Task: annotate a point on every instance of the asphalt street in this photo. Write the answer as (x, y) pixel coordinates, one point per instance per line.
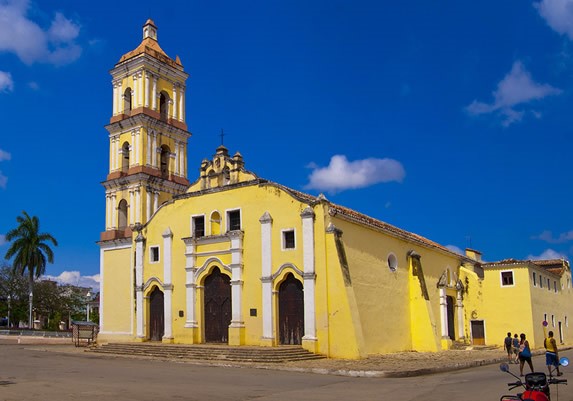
(28, 373)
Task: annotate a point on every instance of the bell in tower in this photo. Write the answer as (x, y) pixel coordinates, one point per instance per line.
(147, 135)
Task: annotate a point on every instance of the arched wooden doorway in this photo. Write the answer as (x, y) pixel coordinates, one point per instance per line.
(217, 307)
(156, 315)
(291, 311)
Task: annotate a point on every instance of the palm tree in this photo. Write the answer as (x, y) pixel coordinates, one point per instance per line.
(30, 251)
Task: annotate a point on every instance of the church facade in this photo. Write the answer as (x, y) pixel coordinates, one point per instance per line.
(234, 258)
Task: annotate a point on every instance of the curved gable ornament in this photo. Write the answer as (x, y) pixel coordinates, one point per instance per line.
(209, 262)
(151, 281)
(286, 266)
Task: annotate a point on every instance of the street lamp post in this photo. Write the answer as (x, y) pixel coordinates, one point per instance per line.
(30, 321)
(88, 296)
(9, 308)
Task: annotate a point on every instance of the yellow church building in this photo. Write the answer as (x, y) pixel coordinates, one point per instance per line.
(233, 258)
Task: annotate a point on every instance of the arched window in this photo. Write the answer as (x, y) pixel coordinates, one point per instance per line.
(125, 157)
(122, 214)
(215, 223)
(163, 105)
(127, 100)
(165, 153)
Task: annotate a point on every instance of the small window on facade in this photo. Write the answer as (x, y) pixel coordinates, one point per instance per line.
(540, 281)
(392, 262)
(288, 239)
(234, 220)
(555, 285)
(545, 317)
(548, 284)
(534, 279)
(199, 226)
(154, 254)
(553, 320)
(507, 278)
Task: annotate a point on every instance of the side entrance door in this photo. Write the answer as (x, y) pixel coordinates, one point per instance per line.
(156, 315)
(478, 332)
(217, 307)
(291, 311)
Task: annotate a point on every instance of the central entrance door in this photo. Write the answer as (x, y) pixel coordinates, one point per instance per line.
(156, 315)
(217, 307)
(291, 311)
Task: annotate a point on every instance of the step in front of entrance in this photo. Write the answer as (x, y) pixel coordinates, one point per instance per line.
(209, 352)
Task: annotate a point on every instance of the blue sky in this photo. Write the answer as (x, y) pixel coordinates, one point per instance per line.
(450, 119)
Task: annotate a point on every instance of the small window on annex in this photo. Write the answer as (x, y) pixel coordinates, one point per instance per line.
(198, 226)
(548, 284)
(154, 254)
(234, 220)
(555, 285)
(288, 239)
(392, 262)
(534, 279)
(507, 278)
(540, 281)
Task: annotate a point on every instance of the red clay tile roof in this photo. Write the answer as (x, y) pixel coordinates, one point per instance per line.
(150, 47)
(555, 266)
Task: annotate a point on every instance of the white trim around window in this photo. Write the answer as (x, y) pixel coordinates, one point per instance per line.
(509, 276)
(154, 254)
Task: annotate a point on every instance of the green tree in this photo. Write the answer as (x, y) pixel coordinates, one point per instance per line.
(14, 294)
(31, 252)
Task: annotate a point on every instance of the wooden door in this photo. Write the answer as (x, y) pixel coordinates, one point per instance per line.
(478, 332)
(450, 309)
(156, 315)
(291, 311)
(217, 307)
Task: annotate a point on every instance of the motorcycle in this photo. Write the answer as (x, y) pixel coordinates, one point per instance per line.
(536, 384)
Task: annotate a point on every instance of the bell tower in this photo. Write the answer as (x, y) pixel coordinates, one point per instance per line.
(147, 136)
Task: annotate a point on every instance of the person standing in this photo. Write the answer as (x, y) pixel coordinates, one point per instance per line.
(551, 354)
(524, 354)
(507, 346)
(515, 346)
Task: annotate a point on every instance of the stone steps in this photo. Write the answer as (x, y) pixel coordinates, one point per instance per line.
(209, 352)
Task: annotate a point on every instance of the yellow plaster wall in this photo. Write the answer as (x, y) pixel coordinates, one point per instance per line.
(118, 294)
(508, 308)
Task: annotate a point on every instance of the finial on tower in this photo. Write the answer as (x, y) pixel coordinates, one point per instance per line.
(149, 30)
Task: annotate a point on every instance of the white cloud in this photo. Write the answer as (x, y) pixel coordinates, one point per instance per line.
(6, 82)
(341, 174)
(3, 180)
(3, 239)
(547, 254)
(547, 236)
(75, 278)
(4, 155)
(455, 249)
(30, 42)
(558, 14)
(517, 88)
